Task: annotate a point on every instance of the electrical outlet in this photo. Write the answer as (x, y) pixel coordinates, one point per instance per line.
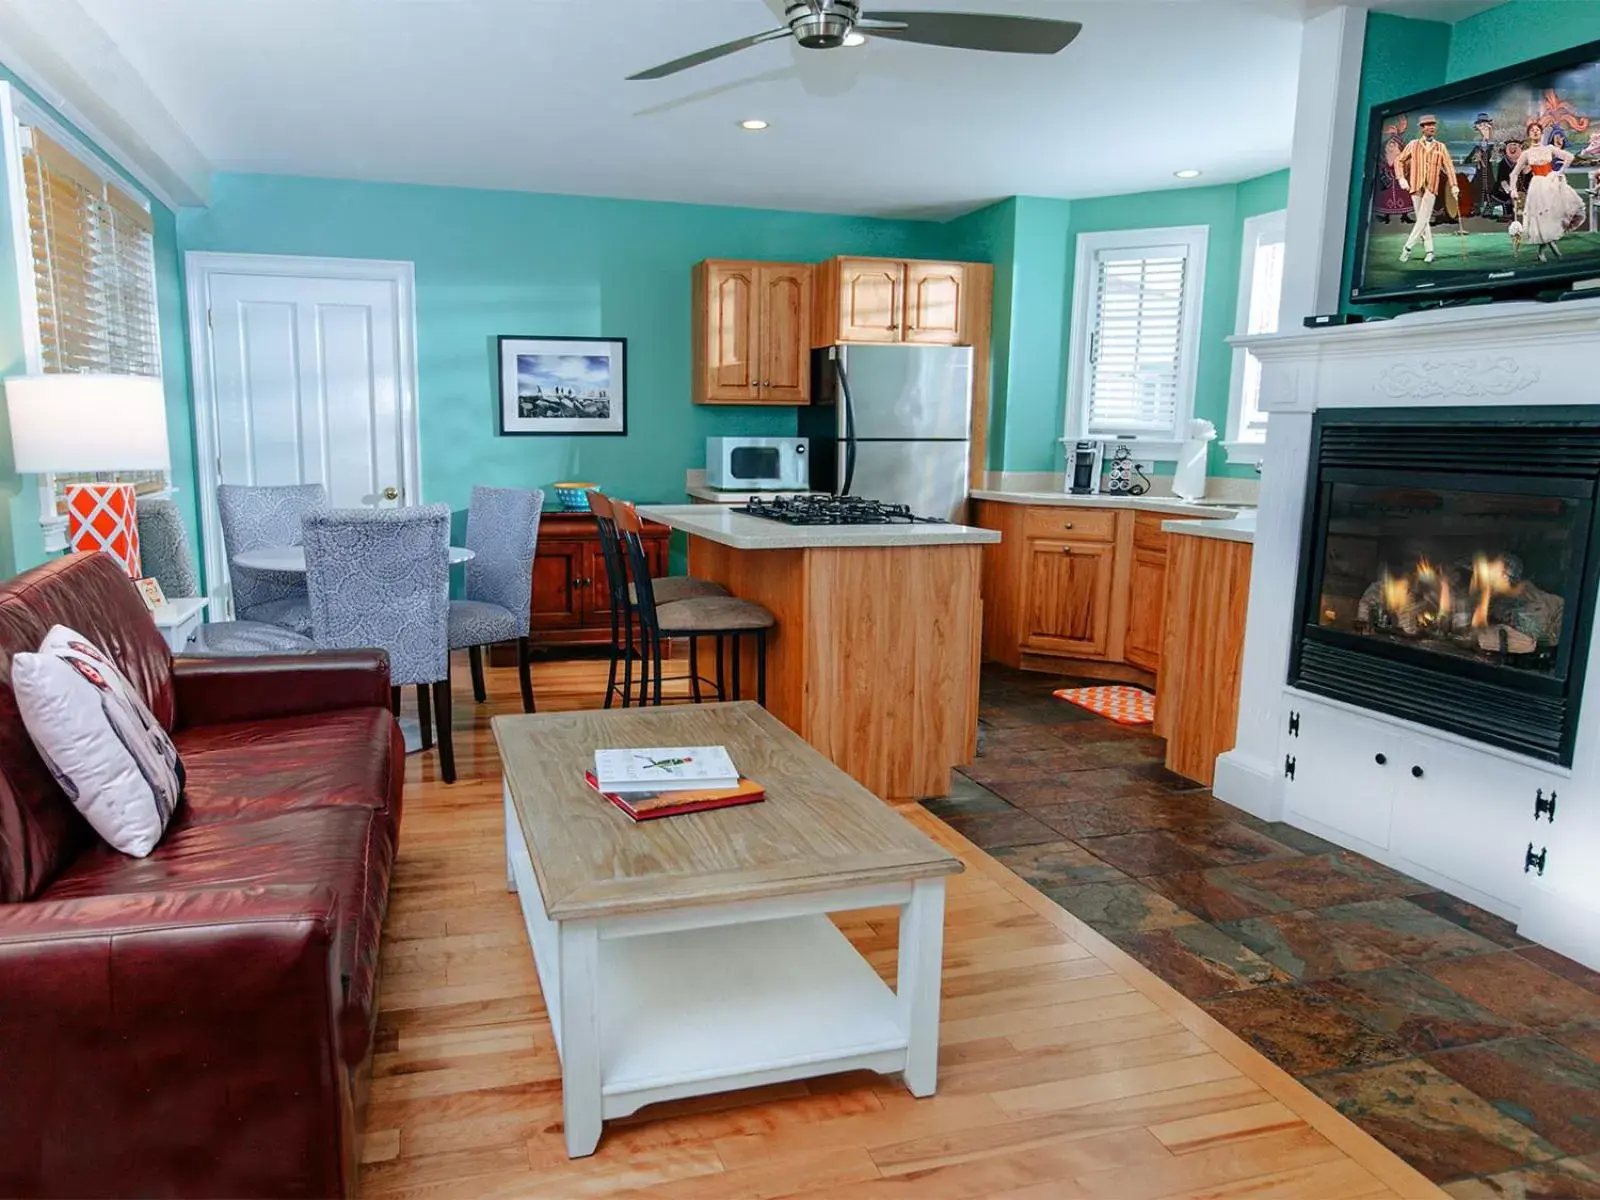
(1146, 465)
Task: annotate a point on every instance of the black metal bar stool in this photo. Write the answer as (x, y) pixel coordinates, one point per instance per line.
(703, 616)
(624, 601)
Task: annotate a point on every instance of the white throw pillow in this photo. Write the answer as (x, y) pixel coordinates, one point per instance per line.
(104, 746)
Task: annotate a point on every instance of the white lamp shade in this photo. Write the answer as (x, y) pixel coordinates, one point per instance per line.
(87, 423)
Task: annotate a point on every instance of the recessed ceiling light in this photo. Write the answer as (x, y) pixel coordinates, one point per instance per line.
(855, 39)
(1187, 173)
(753, 123)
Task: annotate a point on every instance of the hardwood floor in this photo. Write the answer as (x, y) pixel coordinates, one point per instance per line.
(1066, 1069)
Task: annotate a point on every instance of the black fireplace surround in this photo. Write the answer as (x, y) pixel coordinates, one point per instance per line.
(1447, 568)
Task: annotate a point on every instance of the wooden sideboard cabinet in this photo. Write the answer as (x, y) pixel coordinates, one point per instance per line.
(571, 599)
(752, 332)
(893, 300)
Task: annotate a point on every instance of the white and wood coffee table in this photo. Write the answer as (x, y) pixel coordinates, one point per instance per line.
(694, 954)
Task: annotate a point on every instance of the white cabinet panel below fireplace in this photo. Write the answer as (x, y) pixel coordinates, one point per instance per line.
(1338, 771)
(1448, 813)
(1466, 816)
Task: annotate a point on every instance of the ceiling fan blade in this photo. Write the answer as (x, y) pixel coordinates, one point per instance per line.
(705, 56)
(974, 31)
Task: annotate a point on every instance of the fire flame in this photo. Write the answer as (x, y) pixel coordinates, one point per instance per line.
(1396, 592)
(1489, 579)
(1444, 599)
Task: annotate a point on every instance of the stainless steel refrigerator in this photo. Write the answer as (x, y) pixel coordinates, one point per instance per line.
(893, 423)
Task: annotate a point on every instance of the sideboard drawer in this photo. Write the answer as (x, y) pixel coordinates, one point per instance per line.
(1071, 524)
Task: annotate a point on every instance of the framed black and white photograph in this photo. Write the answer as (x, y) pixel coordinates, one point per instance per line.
(563, 386)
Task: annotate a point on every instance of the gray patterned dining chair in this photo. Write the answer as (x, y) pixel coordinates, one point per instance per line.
(164, 547)
(380, 578)
(254, 518)
(502, 533)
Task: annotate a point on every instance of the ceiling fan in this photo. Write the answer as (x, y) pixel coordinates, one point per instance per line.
(824, 24)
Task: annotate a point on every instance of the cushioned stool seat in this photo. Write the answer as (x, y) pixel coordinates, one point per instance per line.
(669, 589)
(712, 614)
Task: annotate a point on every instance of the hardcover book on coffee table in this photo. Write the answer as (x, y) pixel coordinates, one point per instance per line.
(646, 806)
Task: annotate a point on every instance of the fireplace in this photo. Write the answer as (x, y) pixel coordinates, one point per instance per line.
(1447, 573)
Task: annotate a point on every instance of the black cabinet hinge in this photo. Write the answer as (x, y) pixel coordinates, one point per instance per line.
(1288, 765)
(1535, 862)
(1294, 724)
(1543, 807)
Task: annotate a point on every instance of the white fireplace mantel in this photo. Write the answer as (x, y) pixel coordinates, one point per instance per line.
(1509, 354)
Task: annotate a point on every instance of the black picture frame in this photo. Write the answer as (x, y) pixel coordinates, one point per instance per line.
(569, 380)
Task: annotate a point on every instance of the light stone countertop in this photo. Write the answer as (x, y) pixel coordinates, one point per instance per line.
(742, 532)
(1241, 528)
(1169, 505)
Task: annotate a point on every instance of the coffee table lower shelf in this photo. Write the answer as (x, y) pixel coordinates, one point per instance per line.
(722, 997)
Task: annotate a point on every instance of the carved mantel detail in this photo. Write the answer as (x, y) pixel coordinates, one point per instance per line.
(1434, 379)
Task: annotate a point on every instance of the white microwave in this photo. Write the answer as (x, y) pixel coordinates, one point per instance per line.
(758, 464)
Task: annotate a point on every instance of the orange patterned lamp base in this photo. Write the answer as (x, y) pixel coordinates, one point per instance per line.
(102, 516)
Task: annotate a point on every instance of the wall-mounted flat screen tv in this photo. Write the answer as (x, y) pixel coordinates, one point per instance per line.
(1488, 185)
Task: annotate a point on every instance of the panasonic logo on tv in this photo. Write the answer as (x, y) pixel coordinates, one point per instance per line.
(1502, 274)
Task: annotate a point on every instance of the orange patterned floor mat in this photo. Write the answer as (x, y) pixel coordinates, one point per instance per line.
(1123, 704)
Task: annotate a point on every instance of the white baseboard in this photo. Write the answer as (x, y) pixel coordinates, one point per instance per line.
(1566, 923)
(1248, 784)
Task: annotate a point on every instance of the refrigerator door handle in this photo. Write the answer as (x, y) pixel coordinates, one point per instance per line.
(849, 427)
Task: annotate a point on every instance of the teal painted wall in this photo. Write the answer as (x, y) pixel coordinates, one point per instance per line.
(1403, 56)
(491, 263)
(1034, 243)
(21, 539)
(1518, 31)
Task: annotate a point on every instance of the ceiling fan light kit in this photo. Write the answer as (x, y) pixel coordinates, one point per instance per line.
(830, 24)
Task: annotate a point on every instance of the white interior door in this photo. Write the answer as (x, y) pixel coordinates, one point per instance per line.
(305, 374)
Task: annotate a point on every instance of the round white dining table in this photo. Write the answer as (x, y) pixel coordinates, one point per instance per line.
(293, 558)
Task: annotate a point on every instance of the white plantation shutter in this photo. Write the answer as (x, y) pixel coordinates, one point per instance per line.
(93, 251)
(1137, 341)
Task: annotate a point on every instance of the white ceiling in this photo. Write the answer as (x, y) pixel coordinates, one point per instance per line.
(530, 95)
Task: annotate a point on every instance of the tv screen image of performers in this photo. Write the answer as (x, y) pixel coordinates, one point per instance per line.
(1494, 188)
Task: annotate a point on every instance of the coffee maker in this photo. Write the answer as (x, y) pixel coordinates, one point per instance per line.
(1084, 461)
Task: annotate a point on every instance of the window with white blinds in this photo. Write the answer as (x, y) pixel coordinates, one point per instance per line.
(92, 244)
(93, 266)
(1260, 293)
(1135, 327)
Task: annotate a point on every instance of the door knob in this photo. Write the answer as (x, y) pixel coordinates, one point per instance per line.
(391, 493)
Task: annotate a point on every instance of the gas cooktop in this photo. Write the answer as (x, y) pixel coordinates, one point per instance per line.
(834, 510)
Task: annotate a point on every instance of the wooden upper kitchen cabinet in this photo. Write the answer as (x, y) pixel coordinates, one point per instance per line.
(752, 332)
(893, 300)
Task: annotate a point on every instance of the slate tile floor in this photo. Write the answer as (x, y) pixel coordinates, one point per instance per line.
(1426, 1020)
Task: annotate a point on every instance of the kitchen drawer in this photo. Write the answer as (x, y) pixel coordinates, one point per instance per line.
(1071, 524)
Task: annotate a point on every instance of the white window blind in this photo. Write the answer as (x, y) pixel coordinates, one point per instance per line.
(1134, 336)
(93, 266)
(93, 251)
(1136, 343)
(1260, 294)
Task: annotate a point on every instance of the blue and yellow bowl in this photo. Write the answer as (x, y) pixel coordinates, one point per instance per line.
(574, 497)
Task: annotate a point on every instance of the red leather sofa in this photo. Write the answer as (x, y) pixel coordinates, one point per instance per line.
(198, 1022)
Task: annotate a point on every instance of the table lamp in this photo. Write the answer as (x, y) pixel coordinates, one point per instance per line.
(91, 423)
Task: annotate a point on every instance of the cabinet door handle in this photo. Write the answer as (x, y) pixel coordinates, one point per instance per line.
(1066, 549)
(1066, 524)
(1380, 759)
(1416, 772)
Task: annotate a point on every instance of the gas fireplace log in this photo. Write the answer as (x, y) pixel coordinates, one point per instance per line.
(1502, 639)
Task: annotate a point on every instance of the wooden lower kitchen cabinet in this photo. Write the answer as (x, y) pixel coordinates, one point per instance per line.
(1074, 590)
(1197, 690)
(571, 598)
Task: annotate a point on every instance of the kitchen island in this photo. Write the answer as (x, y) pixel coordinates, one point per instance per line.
(874, 660)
